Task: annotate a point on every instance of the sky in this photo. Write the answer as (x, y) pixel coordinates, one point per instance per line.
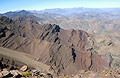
(13, 5)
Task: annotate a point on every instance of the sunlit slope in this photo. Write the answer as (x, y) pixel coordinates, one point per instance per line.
(23, 59)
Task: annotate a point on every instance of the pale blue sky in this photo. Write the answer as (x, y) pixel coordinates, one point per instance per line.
(12, 5)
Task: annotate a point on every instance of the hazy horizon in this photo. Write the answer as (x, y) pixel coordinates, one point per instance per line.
(14, 5)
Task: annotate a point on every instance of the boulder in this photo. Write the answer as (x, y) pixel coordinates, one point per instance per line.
(5, 72)
(1, 75)
(24, 68)
(15, 73)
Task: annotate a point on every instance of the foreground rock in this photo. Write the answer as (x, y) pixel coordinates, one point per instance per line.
(6, 73)
(16, 73)
(24, 68)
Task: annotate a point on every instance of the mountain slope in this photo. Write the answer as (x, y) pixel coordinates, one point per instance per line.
(25, 60)
(63, 50)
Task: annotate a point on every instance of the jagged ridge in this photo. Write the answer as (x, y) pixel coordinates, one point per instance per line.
(64, 50)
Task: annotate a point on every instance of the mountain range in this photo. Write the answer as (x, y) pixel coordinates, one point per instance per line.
(51, 45)
(68, 40)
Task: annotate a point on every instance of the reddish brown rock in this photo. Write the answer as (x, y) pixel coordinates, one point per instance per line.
(64, 50)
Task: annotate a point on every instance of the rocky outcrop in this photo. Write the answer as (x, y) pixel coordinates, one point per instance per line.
(6, 72)
(64, 50)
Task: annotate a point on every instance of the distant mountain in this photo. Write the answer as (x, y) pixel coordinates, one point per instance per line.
(26, 15)
(88, 19)
(16, 13)
(91, 19)
(65, 11)
(73, 11)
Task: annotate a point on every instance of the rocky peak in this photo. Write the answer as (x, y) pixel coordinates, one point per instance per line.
(53, 27)
(23, 11)
(16, 13)
(5, 20)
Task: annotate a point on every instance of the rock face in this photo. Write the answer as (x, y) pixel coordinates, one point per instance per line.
(64, 50)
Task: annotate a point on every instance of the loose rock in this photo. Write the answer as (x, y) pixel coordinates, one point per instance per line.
(24, 68)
